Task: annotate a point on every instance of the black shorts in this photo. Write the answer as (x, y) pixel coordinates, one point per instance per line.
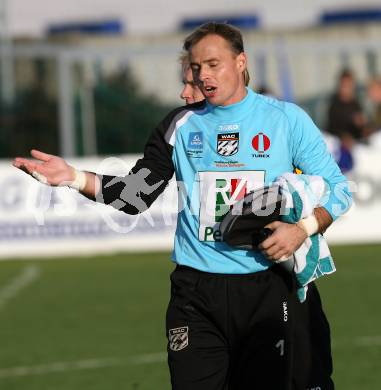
(231, 331)
(312, 345)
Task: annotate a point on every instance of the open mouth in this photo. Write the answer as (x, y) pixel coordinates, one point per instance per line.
(209, 91)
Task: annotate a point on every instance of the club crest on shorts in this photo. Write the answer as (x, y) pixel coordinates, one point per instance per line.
(227, 144)
(178, 338)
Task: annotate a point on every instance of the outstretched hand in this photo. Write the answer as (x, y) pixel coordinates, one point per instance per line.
(283, 242)
(49, 169)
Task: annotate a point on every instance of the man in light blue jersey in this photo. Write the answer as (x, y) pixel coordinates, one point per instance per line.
(231, 313)
(312, 333)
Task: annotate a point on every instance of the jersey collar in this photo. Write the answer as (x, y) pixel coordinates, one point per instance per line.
(233, 111)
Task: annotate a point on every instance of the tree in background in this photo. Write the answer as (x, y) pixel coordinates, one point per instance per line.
(124, 115)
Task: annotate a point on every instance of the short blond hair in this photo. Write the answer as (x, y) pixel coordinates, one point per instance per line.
(184, 61)
(226, 31)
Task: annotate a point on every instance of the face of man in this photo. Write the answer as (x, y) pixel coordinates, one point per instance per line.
(218, 70)
(191, 92)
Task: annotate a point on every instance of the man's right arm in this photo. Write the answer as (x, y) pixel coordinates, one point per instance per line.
(135, 192)
(132, 193)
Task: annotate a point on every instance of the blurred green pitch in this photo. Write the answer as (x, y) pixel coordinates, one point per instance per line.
(98, 323)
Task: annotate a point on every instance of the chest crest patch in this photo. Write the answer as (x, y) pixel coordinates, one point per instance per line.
(227, 144)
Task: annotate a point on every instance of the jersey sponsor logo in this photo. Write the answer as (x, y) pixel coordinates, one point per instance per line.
(261, 143)
(178, 338)
(228, 127)
(229, 164)
(219, 191)
(227, 144)
(195, 144)
(195, 140)
(231, 191)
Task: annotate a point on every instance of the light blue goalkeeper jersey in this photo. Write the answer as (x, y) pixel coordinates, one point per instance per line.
(221, 153)
(218, 155)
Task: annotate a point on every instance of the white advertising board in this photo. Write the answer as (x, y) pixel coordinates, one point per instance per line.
(362, 223)
(37, 220)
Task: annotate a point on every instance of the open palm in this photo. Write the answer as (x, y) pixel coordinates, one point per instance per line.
(54, 169)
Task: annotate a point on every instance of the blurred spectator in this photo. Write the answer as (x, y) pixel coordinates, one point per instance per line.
(345, 114)
(374, 95)
(344, 153)
(341, 150)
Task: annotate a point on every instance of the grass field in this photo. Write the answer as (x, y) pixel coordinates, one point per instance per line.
(98, 323)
